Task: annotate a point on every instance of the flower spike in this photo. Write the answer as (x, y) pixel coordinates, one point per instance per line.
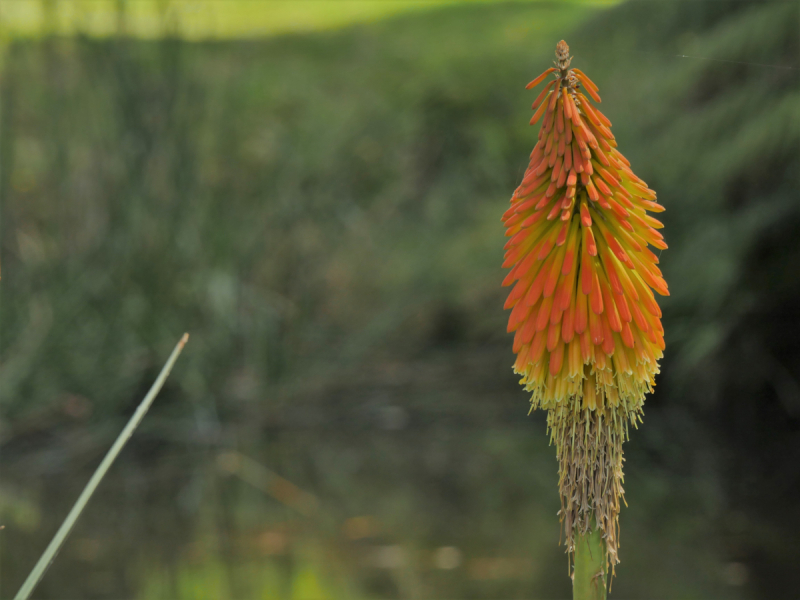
(588, 331)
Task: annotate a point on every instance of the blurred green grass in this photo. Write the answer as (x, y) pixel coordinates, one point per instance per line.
(280, 199)
(204, 19)
(321, 212)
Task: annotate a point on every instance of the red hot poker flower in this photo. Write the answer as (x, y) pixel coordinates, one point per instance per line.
(587, 328)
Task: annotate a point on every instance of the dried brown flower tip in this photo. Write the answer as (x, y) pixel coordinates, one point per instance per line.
(562, 55)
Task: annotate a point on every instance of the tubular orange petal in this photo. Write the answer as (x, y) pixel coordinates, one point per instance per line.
(534, 218)
(538, 346)
(622, 307)
(553, 274)
(595, 328)
(585, 271)
(587, 349)
(544, 201)
(603, 157)
(553, 336)
(595, 295)
(586, 218)
(653, 206)
(601, 186)
(535, 291)
(562, 178)
(586, 81)
(539, 112)
(608, 335)
(557, 169)
(554, 96)
(566, 290)
(574, 112)
(609, 306)
(638, 317)
(543, 316)
(568, 325)
(592, 191)
(562, 234)
(518, 314)
(528, 330)
(525, 205)
(551, 160)
(604, 143)
(568, 159)
(557, 359)
(589, 241)
(654, 223)
(601, 118)
(554, 211)
(589, 86)
(627, 335)
(577, 159)
(581, 312)
(540, 78)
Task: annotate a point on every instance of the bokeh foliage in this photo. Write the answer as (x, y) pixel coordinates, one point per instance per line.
(321, 212)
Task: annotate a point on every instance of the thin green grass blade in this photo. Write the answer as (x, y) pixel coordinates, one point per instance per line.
(55, 545)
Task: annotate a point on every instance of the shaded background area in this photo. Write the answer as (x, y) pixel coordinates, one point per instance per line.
(321, 211)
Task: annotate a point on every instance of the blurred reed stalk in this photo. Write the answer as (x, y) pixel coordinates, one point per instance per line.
(61, 535)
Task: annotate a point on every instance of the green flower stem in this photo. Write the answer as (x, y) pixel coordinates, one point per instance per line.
(63, 531)
(589, 577)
